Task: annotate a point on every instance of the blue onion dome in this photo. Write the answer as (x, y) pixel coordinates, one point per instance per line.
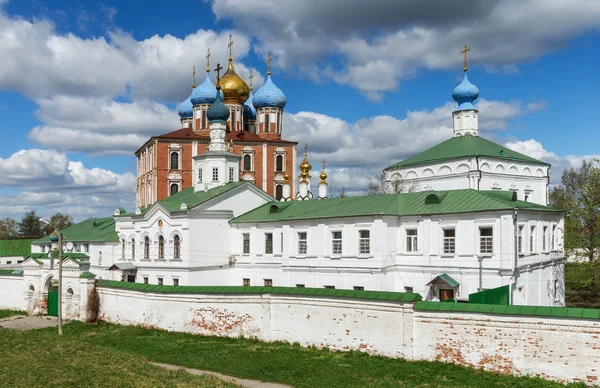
(464, 94)
(205, 93)
(218, 111)
(249, 110)
(269, 96)
(186, 109)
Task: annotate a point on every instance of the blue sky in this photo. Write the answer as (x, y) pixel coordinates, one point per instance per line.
(367, 85)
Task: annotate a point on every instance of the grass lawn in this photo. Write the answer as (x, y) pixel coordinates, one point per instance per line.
(112, 355)
(10, 313)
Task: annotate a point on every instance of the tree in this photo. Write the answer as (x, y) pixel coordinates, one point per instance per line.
(60, 221)
(396, 185)
(30, 226)
(8, 229)
(579, 195)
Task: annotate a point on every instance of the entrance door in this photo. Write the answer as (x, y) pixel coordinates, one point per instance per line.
(446, 294)
(53, 303)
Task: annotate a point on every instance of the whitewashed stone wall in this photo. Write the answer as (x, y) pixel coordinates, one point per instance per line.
(11, 293)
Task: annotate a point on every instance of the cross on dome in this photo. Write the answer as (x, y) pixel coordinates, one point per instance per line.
(269, 59)
(230, 47)
(464, 52)
(218, 70)
(208, 61)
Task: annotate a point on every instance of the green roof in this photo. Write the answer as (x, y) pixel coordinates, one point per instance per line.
(90, 230)
(449, 280)
(77, 257)
(11, 272)
(464, 147)
(17, 247)
(87, 274)
(376, 295)
(190, 198)
(422, 203)
(538, 311)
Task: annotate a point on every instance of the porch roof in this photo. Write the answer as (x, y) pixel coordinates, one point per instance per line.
(446, 279)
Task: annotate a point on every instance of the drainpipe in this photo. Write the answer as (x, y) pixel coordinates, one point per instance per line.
(515, 275)
(478, 171)
(547, 185)
(480, 258)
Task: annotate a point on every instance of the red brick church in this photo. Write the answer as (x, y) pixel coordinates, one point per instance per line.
(253, 131)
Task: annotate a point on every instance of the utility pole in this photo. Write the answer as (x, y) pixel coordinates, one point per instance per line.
(60, 286)
(515, 275)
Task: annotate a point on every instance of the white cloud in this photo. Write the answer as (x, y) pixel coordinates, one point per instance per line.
(379, 43)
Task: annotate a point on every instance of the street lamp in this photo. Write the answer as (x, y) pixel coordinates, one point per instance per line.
(57, 244)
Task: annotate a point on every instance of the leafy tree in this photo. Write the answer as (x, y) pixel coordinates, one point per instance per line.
(579, 195)
(30, 226)
(379, 185)
(60, 221)
(8, 229)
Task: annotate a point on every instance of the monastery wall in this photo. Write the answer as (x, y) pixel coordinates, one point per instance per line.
(11, 293)
(555, 343)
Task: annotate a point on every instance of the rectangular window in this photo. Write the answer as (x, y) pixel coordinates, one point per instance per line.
(9, 262)
(411, 240)
(200, 176)
(364, 242)
(553, 236)
(359, 288)
(544, 233)
(532, 240)
(486, 238)
(160, 281)
(267, 123)
(520, 239)
(145, 279)
(246, 242)
(19, 261)
(246, 282)
(86, 248)
(408, 289)
(230, 174)
(330, 287)
(337, 243)
(281, 242)
(300, 285)
(449, 240)
(175, 282)
(215, 174)
(268, 282)
(268, 242)
(302, 246)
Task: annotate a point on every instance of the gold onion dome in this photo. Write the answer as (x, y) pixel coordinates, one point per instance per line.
(305, 166)
(323, 177)
(235, 90)
(286, 178)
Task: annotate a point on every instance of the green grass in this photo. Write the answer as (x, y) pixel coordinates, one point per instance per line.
(10, 313)
(127, 347)
(41, 358)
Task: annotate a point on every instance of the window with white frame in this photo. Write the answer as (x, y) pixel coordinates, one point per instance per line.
(520, 239)
(278, 192)
(544, 233)
(302, 243)
(132, 248)
(364, 242)
(267, 123)
(174, 160)
(175, 281)
(279, 163)
(174, 188)
(449, 241)
(486, 240)
(247, 162)
(160, 281)
(246, 247)
(246, 282)
(123, 248)
(532, 240)
(215, 174)
(146, 247)
(411, 240)
(161, 247)
(336, 246)
(176, 247)
(231, 170)
(268, 282)
(268, 242)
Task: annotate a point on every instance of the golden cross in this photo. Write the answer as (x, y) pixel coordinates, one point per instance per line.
(208, 61)
(230, 46)
(305, 148)
(465, 51)
(269, 59)
(194, 76)
(251, 76)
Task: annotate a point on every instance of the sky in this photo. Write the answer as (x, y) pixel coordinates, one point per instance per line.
(368, 83)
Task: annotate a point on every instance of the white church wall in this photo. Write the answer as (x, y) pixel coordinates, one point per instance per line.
(12, 293)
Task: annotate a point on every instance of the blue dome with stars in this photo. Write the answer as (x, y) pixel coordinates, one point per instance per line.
(269, 96)
(218, 111)
(464, 94)
(205, 93)
(186, 109)
(249, 110)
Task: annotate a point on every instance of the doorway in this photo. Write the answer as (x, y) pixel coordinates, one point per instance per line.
(53, 301)
(446, 294)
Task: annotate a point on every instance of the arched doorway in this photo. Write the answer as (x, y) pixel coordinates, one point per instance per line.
(51, 288)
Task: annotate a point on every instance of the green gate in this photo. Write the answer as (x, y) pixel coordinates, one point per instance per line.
(53, 302)
(498, 295)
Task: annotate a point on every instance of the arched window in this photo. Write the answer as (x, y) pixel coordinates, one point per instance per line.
(176, 247)
(133, 248)
(247, 162)
(123, 248)
(161, 247)
(278, 192)
(267, 123)
(174, 161)
(279, 163)
(146, 248)
(174, 188)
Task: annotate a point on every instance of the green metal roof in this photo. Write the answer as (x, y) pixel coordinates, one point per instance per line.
(11, 272)
(77, 257)
(16, 247)
(446, 279)
(90, 230)
(539, 311)
(376, 295)
(87, 274)
(463, 147)
(190, 198)
(422, 203)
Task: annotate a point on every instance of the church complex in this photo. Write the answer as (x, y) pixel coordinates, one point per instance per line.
(222, 201)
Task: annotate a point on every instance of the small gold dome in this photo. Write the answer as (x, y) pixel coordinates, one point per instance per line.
(305, 166)
(323, 177)
(286, 178)
(235, 90)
